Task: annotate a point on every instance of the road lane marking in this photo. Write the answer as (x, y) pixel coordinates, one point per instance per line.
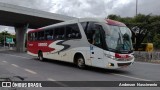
(14, 65)
(57, 82)
(5, 61)
(50, 79)
(147, 63)
(30, 71)
(18, 56)
(131, 77)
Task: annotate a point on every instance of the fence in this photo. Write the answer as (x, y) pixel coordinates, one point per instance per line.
(147, 56)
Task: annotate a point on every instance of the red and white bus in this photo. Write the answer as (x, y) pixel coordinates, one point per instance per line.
(100, 43)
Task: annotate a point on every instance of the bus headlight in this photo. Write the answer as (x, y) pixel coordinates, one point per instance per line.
(111, 57)
(110, 64)
(129, 58)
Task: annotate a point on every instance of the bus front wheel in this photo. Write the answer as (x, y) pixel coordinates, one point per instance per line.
(80, 62)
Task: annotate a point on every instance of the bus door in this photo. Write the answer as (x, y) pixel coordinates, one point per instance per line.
(94, 33)
(96, 47)
(96, 55)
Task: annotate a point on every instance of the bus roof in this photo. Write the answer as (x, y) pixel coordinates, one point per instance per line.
(34, 30)
(113, 22)
(108, 21)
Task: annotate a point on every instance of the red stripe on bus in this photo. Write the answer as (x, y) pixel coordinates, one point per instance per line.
(35, 46)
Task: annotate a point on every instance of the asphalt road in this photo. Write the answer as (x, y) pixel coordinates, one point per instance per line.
(30, 69)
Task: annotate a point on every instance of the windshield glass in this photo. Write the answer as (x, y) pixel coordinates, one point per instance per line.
(118, 39)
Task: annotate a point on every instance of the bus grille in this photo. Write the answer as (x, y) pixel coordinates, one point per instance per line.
(123, 64)
(125, 59)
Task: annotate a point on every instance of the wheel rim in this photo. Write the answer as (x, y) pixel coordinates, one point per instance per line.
(80, 62)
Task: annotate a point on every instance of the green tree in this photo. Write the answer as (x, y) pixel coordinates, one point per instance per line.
(114, 17)
(5, 34)
(156, 41)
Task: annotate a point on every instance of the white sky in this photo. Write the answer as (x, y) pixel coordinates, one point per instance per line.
(89, 8)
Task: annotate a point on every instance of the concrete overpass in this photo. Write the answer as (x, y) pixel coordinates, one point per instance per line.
(22, 18)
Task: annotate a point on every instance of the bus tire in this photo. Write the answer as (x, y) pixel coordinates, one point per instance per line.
(80, 62)
(40, 56)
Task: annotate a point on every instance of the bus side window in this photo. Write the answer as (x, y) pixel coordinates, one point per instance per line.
(89, 31)
(49, 35)
(93, 33)
(29, 37)
(60, 33)
(34, 38)
(84, 25)
(97, 40)
(73, 32)
(41, 35)
(68, 32)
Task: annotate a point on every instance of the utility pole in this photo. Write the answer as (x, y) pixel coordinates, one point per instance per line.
(136, 7)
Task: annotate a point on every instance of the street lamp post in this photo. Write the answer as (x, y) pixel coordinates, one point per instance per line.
(136, 7)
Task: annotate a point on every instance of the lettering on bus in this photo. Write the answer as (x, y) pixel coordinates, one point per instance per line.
(42, 44)
(30, 44)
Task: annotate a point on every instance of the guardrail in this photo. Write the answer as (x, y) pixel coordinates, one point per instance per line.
(147, 56)
(7, 48)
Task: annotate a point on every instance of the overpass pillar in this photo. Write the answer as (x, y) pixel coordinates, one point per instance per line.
(20, 38)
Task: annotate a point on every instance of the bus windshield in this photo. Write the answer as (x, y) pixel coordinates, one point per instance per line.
(119, 39)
